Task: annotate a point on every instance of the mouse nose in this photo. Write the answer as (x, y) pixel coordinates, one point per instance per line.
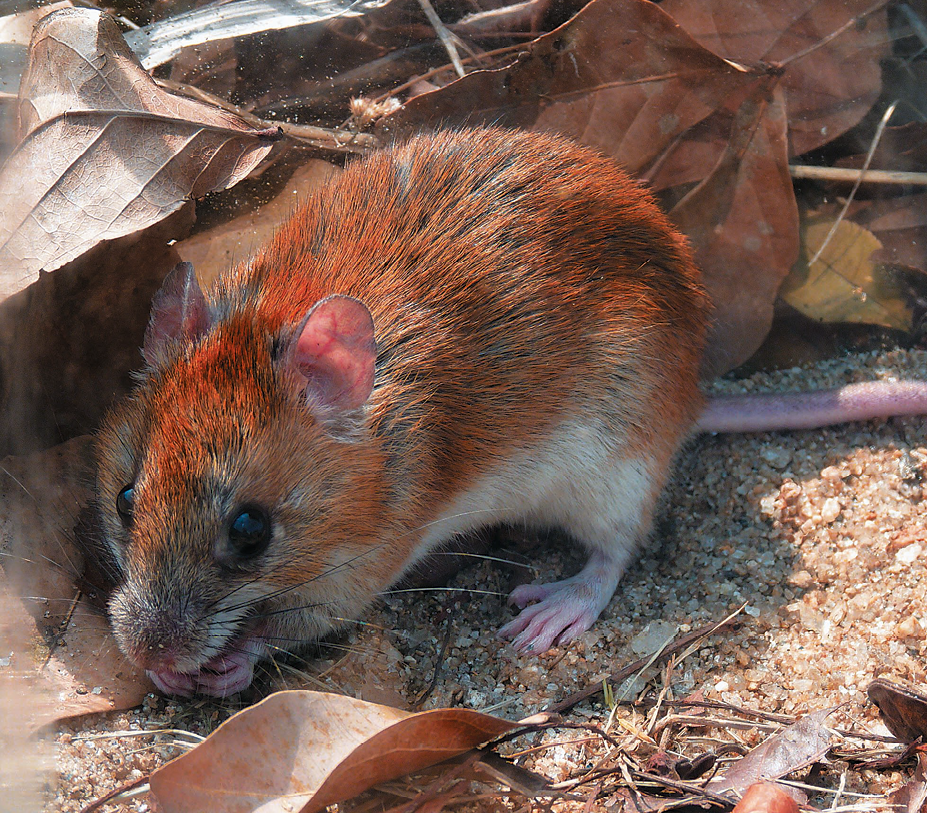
(155, 632)
(155, 658)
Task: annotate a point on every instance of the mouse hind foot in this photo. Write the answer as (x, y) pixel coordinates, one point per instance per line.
(564, 609)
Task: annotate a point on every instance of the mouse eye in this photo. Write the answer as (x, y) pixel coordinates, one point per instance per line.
(125, 502)
(249, 532)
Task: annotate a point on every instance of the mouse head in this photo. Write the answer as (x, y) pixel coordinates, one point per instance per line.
(223, 480)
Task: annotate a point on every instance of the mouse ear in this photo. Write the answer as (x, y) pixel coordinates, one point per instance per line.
(178, 311)
(334, 353)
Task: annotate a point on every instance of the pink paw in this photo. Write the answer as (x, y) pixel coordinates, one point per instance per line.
(223, 676)
(175, 683)
(564, 610)
(226, 675)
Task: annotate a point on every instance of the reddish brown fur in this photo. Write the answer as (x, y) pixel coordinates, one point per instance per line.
(516, 281)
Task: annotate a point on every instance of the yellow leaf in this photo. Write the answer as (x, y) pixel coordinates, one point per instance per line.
(844, 284)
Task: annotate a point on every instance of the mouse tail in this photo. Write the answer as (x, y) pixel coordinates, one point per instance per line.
(808, 410)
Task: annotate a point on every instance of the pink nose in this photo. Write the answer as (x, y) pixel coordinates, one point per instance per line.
(155, 657)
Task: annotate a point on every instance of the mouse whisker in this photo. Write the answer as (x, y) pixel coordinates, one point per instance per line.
(283, 590)
(468, 590)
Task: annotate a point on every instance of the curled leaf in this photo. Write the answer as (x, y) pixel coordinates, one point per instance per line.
(104, 151)
(902, 708)
(315, 749)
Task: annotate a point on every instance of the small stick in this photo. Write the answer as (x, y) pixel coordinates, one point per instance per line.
(886, 116)
(631, 668)
(447, 39)
(849, 174)
(319, 137)
(96, 804)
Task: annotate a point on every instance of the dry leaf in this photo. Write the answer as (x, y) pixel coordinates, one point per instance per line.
(742, 221)
(912, 796)
(15, 33)
(302, 750)
(620, 76)
(645, 103)
(791, 749)
(827, 90)
(900, 224)
(902, 708)
(104, 151)
(74, 654)
(845, 284)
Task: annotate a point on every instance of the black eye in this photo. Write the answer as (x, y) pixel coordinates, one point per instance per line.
(125, 502)
(249, 532)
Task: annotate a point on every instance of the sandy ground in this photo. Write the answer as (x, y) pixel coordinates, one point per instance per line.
(821, 534)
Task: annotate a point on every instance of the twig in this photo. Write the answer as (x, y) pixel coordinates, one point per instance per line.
(529, 728)
(508, 49)
(872, 148)
(701, 721)
(847, 174)
(439, 665)
(784, 719)
(685, 787)
(840, 789)
(343, 141)
(447, 39)
(96, 804)
(626, 671)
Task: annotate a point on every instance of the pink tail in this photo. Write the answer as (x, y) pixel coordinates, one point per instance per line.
(807, 410)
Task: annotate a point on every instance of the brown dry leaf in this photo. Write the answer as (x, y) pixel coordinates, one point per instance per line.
(217, 249)
(791, 749)
(845, 284)
(621, 76)
(912, 796)
(624, 77)
(72, 651)
(900, 224)
(742, 221)
(902, 708)
(303, 750)
(830, 88)
(104, 151)
(766, 797)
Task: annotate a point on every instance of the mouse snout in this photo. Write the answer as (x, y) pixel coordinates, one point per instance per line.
(157, 630)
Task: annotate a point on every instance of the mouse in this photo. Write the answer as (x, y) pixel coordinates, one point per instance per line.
(467, 328)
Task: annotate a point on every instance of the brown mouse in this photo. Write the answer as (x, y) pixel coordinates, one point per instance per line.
(472, 327)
